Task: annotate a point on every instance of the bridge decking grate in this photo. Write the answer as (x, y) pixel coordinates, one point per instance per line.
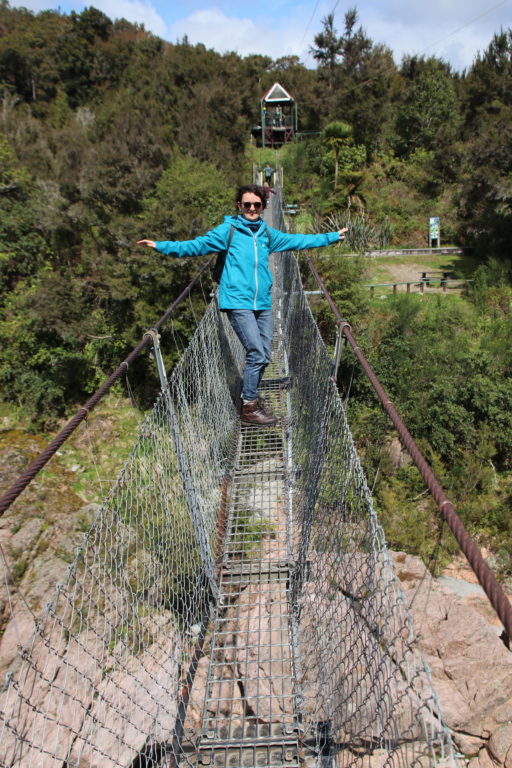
(249, 717)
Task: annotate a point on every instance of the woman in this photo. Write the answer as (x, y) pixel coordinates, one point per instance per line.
(246, 282)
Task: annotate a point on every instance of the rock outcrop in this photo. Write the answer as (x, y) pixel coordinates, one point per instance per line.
(471, 666)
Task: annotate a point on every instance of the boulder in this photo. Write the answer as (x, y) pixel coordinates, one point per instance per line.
(471, 667)
(266, 674)
(483, 760)
(500, 745)
(397, 454)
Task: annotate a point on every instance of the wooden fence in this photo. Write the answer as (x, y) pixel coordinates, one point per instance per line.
(421, 284)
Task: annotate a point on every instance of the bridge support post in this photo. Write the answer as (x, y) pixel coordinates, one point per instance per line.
(162, 373)
(338, 347)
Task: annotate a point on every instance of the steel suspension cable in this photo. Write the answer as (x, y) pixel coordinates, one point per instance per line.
(33, 469)
(472, 553)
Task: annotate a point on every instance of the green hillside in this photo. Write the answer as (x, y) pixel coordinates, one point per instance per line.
(109, 134)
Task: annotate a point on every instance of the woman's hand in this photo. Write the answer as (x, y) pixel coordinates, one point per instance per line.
(149, 243)
(341, 232)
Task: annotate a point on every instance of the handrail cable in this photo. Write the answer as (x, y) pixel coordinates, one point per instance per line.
(482, 571)
(33, 469)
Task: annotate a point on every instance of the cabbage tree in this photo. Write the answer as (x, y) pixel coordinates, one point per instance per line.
(337, 135)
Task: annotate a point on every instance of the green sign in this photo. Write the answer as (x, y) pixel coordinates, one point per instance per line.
(433, 227)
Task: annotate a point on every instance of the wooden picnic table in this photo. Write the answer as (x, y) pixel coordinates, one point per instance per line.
(435, 274)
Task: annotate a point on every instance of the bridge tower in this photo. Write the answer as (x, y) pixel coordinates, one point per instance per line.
(278, 117)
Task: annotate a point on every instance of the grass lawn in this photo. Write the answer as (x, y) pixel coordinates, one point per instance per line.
(87, 464)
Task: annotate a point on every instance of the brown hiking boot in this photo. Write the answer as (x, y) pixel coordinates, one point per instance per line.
(253, 414)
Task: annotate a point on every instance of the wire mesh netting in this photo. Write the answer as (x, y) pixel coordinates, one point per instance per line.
(101, 674)
(234, 602)
(365, 698)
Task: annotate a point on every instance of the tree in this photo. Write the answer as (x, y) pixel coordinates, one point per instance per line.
(329, 48)
(489, 81)
(28, 56)
(355, 44)
(485, 193)
(365, 96)
(429, 116)
(361, 77)
(485, 198)
(23, 250)
(336, 135)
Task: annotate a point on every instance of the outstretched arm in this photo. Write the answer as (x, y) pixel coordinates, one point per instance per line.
(282, 241)
(212, 242)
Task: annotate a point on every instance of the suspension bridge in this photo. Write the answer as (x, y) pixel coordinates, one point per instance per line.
(241, 568)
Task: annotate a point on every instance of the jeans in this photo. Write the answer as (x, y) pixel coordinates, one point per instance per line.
(254, 328)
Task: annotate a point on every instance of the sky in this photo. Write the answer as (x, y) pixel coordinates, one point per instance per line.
(454, 30)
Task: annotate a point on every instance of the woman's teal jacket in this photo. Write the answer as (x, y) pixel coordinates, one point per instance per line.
(246, 280)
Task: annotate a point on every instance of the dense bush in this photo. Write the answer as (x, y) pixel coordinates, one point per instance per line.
(447, 366)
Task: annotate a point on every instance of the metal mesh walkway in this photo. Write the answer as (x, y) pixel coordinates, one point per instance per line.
(249, 714)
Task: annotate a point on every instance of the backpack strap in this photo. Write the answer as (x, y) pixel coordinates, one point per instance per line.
(218, 267)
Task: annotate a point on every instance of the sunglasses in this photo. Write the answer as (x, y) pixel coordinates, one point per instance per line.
(248, 206)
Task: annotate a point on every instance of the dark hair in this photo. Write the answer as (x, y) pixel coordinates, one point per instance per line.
(253, 189)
